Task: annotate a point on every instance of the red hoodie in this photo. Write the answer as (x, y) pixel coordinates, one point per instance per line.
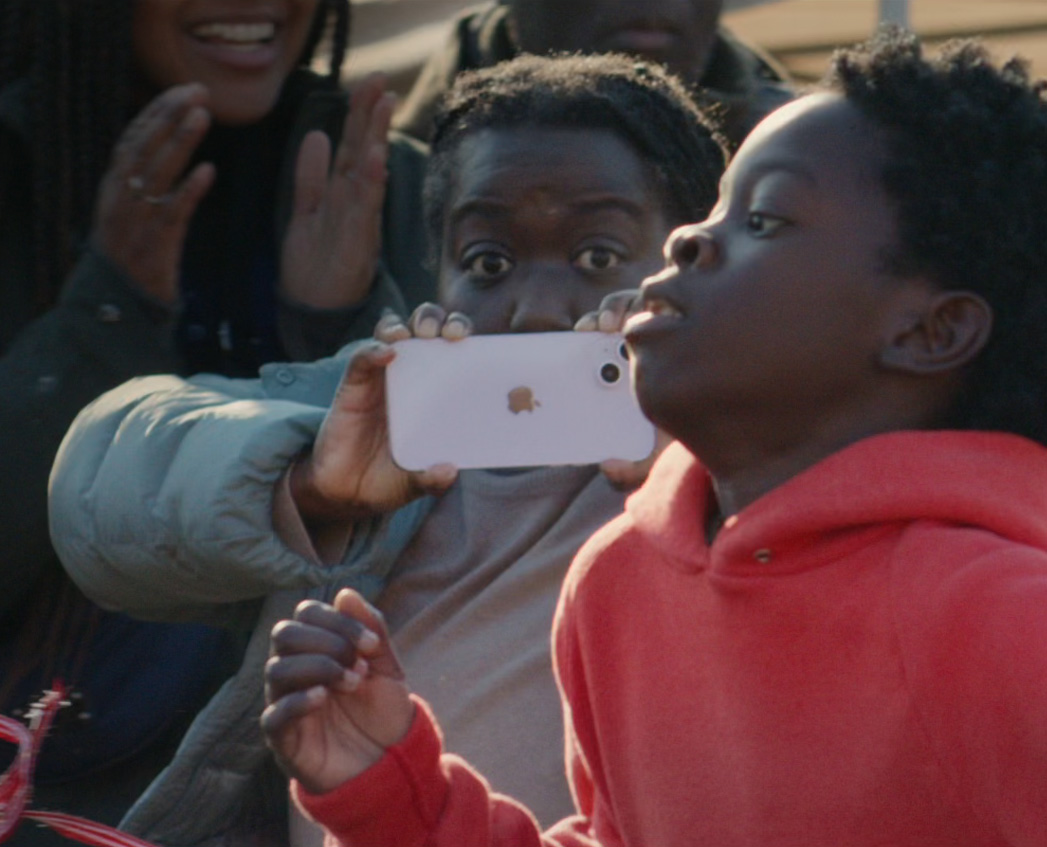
(859, 659)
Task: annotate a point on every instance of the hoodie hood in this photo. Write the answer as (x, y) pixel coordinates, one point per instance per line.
(996, 482)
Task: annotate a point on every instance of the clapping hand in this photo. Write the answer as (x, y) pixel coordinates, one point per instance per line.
(334, 236)
(146, 200)
(350, 473)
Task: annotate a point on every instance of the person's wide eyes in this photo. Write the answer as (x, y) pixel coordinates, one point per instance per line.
(487, 265)
(762, 225)
(597, 259)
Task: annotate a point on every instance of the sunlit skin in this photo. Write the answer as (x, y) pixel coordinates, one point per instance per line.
(676, 33)
(776, 336)
(241, 51)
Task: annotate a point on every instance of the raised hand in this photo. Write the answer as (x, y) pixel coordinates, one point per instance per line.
(335, 691)
(350, 472)
(146, 200)
(614, 310)
(334, 236)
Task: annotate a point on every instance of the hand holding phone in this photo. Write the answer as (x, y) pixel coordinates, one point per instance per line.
(348, 474)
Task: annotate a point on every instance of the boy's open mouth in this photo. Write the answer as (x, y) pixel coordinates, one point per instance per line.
(662, 308)
(657, 314)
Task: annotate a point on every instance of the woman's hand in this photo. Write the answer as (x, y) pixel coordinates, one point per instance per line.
(335, 690)
(146, 199)
(614, 310)
(350, 472)
(334, 237)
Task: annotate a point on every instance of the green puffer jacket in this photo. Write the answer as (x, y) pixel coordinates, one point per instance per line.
(222, 787)
(744, 80)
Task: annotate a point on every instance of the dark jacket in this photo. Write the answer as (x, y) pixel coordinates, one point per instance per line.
(744, 80)
(56, 357)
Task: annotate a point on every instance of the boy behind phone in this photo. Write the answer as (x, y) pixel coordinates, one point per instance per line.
(553, 184)
(822, 619)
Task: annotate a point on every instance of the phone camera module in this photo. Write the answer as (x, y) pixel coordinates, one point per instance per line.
(623, 351)
(610, 373)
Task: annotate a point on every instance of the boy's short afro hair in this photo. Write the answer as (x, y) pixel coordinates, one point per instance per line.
(640, 103)
(966, 166)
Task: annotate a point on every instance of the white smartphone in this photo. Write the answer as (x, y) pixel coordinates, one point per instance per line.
(518, 400)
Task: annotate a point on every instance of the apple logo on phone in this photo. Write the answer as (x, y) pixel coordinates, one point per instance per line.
(521, 399)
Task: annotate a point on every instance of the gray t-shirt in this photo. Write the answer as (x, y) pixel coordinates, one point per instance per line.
(470, 606)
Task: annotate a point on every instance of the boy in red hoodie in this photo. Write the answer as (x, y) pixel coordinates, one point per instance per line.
(823, 619)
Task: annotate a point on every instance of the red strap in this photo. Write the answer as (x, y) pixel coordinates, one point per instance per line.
(16, 784)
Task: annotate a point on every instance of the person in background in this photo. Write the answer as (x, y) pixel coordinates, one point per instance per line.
(742, 82)
(552, 186)
(821, 619)
(166, 206)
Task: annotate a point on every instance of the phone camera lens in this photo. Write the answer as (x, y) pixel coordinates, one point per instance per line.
(610, 373)
(623, 351)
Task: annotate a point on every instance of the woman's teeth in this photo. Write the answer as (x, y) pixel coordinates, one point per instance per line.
(238, 34)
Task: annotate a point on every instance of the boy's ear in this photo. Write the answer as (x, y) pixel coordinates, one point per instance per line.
(945, 334)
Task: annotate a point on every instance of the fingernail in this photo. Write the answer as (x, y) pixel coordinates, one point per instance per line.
(428, 326)
(187, 90)
(367, 640)
(195, 119)
(454, 329)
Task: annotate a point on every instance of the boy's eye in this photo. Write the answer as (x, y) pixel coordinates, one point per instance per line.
(761, 224)
(597, 259)
(488, 264)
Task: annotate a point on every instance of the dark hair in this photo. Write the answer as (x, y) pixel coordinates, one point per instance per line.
(966, 166)
(640, 103)
(75, 56)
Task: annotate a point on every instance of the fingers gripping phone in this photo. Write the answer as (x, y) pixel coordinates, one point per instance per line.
(518, 400)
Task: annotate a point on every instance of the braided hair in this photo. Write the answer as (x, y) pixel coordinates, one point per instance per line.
(76, 58)
(966, 166)
(642, 104)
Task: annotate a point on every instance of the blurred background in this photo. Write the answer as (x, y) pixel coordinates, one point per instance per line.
(395, 36)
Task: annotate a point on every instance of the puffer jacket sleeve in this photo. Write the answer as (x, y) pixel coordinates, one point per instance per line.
(161, 496)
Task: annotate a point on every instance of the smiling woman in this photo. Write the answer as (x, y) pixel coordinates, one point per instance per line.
(179, 192)
(242, 54)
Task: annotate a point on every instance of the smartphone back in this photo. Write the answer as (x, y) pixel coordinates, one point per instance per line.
(517, 400)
